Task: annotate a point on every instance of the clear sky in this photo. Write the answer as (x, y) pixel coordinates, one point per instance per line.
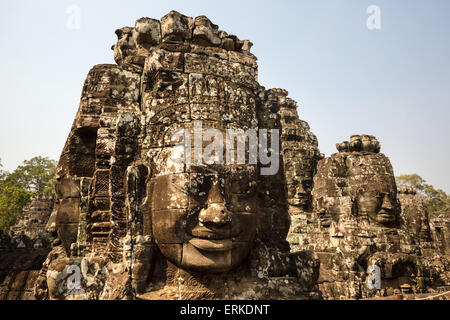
(393, 82)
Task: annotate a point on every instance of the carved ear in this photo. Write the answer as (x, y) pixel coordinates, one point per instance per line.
(355, 208)
(137, 176)
(137, 199)
(137, 179)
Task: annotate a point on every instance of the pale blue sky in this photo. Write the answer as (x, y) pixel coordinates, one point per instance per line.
(393, 83)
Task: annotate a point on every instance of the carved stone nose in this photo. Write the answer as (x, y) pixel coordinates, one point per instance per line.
(300, 189)
(216, 212)
(386, 203)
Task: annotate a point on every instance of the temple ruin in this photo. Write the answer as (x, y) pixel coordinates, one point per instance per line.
(133, 222)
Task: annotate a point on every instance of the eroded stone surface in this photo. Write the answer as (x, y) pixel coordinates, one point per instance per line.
(414, 213)
(358, 223)
(440, 231)
(135, 222)
(138, 223)
(23, 251)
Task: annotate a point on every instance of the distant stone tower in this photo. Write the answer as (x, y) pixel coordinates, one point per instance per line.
(24, 249)
(359, 229)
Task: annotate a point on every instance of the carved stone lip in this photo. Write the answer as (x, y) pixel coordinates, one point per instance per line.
(325, 220)
(206, 233)
(385, 215)
(212, 245)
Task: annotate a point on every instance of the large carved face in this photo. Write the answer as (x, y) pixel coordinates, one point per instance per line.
(424, 231)
(203, 217)
(205, 220)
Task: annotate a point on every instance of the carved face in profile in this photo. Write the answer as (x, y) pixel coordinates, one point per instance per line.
(414, 212)
(329, 203)
(205, 220)
(125, 45)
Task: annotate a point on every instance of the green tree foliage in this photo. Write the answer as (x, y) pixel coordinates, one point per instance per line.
(12, 201)
(16, 188)
(437, 201)
(34, 175)
(413, 180)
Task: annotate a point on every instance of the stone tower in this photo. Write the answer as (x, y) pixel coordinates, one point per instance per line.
(359, 233)
(136, 222)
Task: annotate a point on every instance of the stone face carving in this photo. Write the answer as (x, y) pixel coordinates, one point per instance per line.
(300, 154)
(148, 225)
(373, 186)
(414, 213)
(356, 184)
(358, 225)
(139, 216)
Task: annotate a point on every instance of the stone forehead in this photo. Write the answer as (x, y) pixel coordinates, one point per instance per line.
(171, 160)
(349, 173)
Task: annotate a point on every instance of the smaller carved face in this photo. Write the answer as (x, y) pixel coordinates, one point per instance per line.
(424, 229)
(328, 210)
(379, 206)
(205, 220)
(299, 192)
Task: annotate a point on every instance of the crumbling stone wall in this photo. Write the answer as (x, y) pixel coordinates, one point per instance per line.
(133, 222)
(32, 223)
